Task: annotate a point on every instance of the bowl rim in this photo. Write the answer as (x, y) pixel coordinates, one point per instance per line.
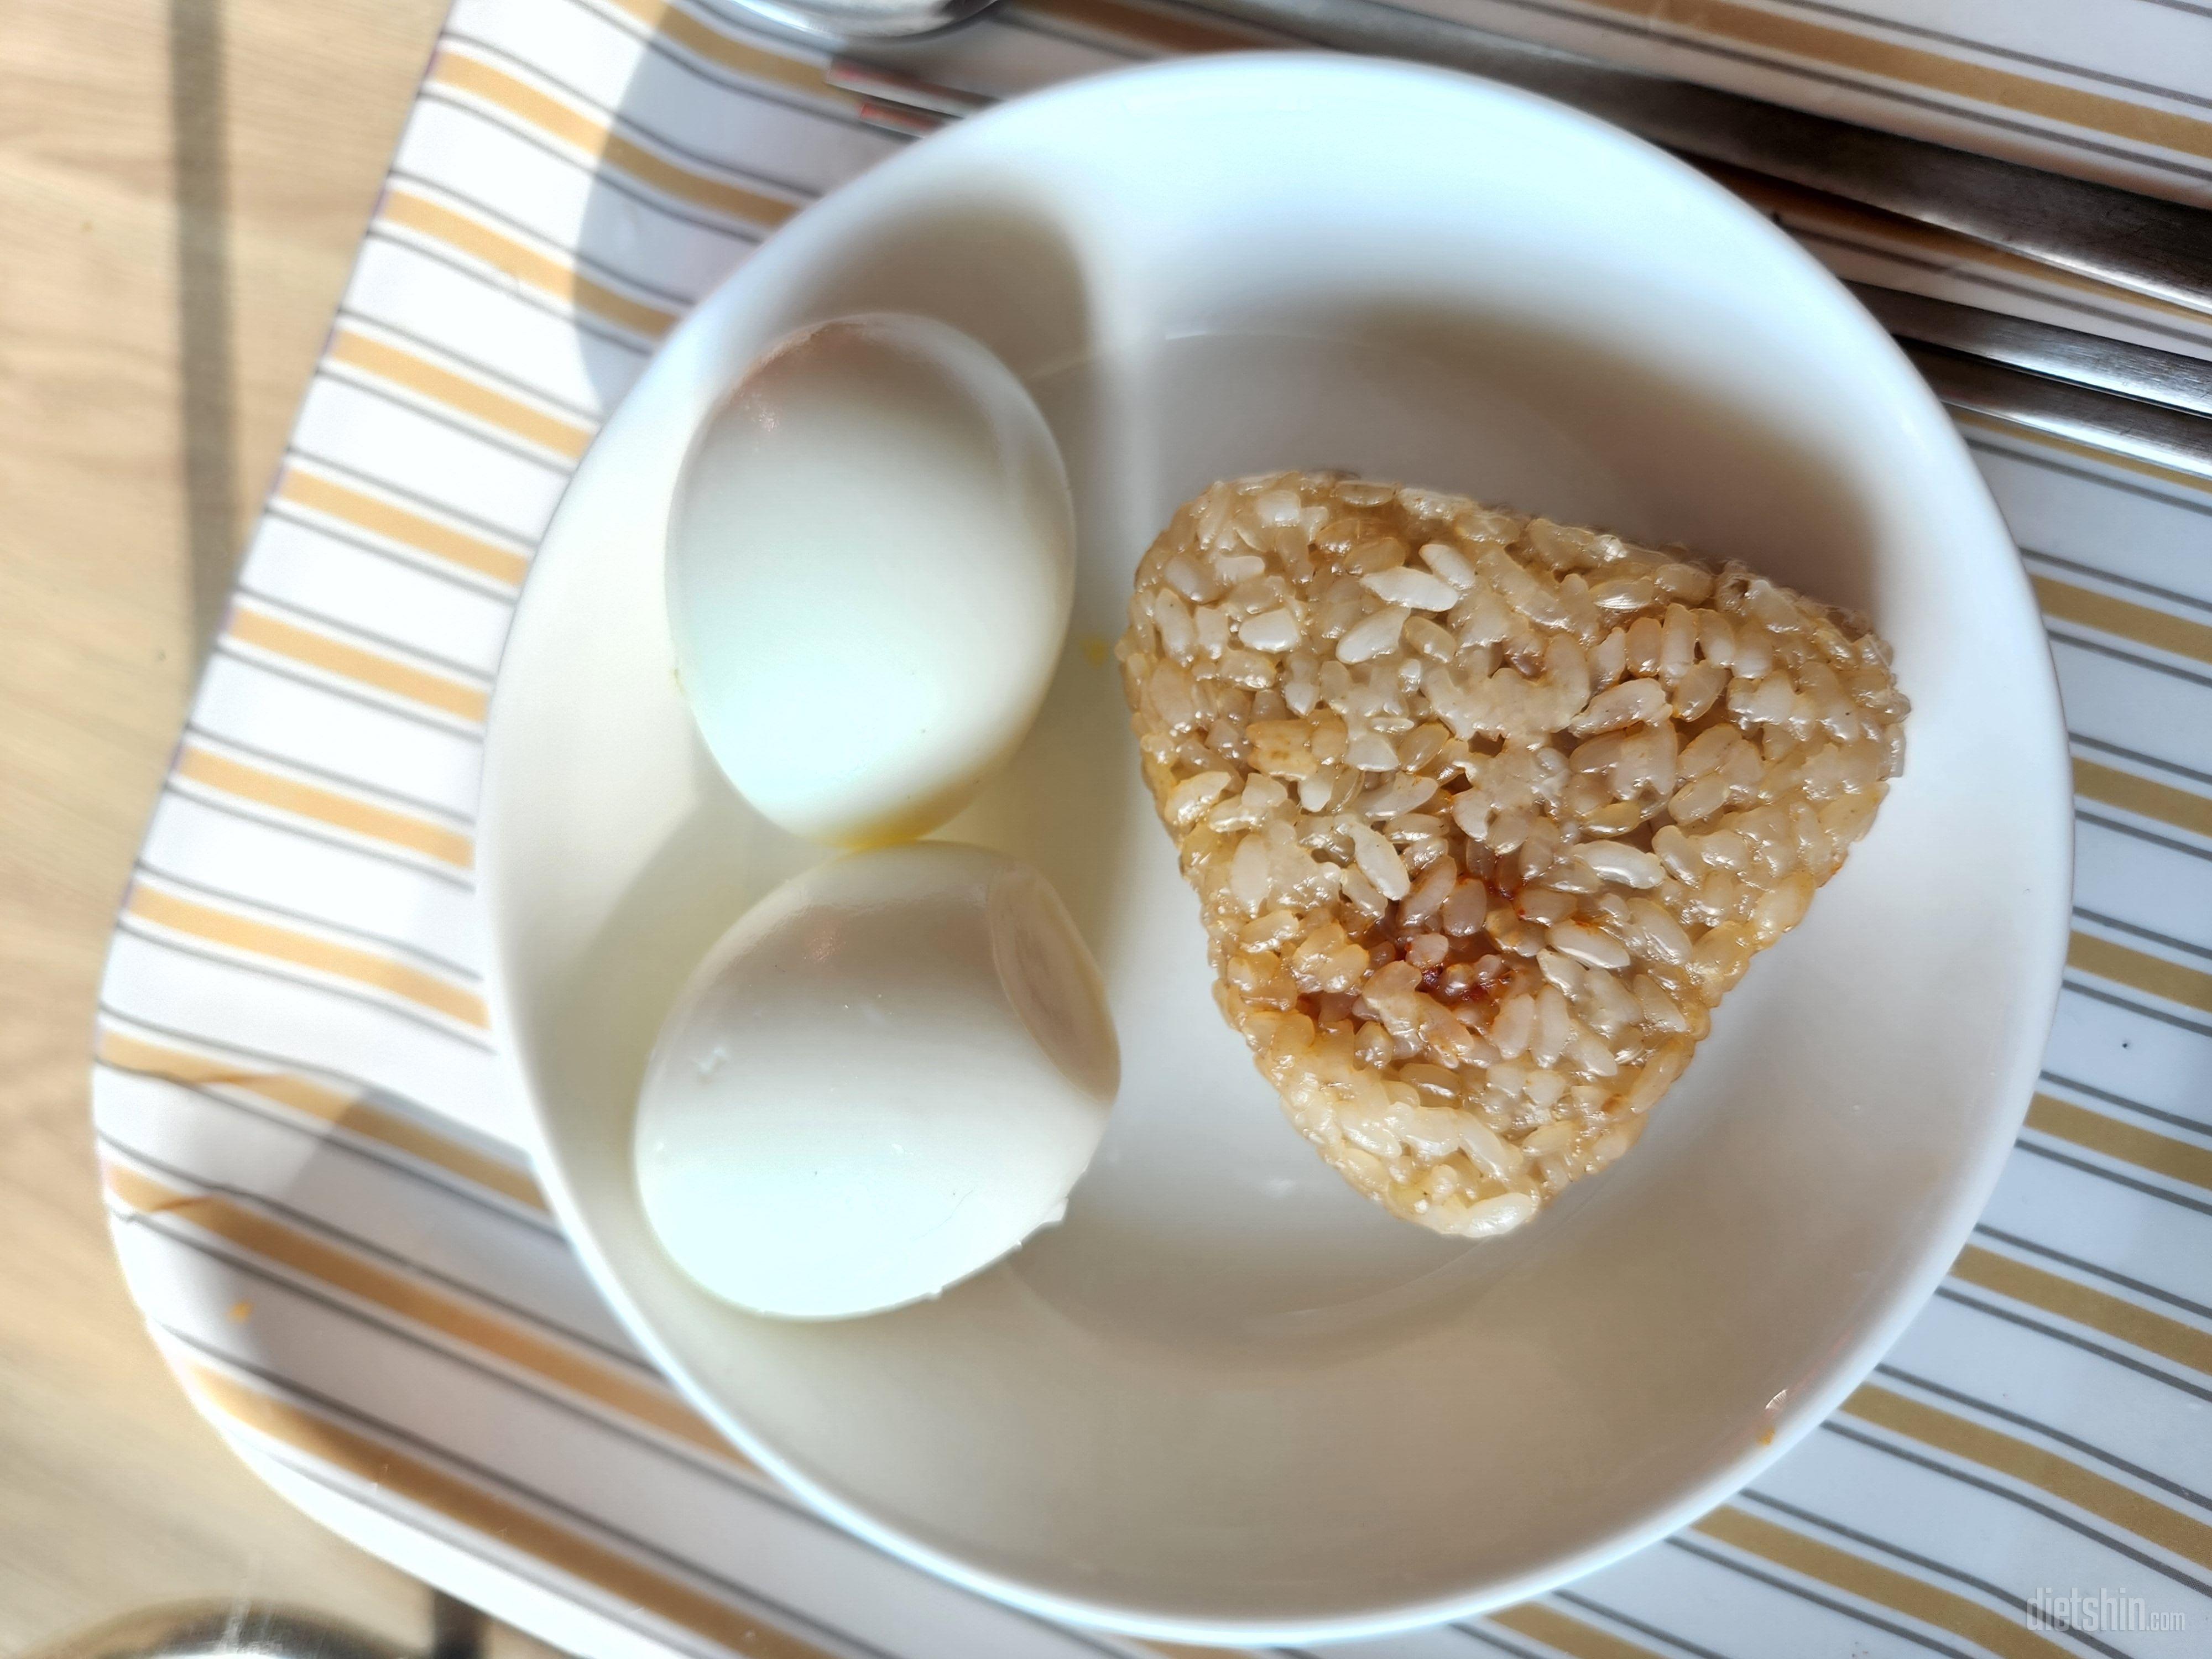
(1911, 1287)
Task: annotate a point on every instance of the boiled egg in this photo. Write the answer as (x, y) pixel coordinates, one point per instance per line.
(888, 1075)
(870, 560)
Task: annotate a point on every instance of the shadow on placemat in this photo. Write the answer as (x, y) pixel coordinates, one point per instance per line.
(208, 411)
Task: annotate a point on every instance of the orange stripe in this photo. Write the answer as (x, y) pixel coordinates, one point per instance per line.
(525, 265)
(2158, 629)
(2179, 1160)
(307, 950)
(2062, 1477)
(570, 125)
(309, 800)
(1914, 1597)
(358, 663)
(381, 518)
(2184, 1344)
(2154, 974)
(342, 1111)
(1555, 1629)
(458, 391)
(2142, 796)
(1980, 83)
(507, 1523)
(727, 50)
(413, 1300)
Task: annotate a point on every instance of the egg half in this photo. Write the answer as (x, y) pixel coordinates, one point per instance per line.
(870, 561)
(888, 1075)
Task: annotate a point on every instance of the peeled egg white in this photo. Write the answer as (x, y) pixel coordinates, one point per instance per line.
(888, 1075)
(870, 561)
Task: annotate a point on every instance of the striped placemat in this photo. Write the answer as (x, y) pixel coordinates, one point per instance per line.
(2119, 90)
(316, 1198)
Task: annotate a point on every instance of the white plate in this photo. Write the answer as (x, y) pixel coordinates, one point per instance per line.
(1228, 1401)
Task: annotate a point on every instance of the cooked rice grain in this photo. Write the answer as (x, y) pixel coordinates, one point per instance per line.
(1485, 814)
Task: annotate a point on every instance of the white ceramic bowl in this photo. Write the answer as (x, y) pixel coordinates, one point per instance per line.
(1228, 1401)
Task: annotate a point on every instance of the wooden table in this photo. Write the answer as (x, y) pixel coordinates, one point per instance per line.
(182, 186)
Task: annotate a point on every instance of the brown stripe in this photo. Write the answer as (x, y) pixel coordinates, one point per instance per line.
(2154, 974)
(2150, 799)
(357, 663)
(381, 518)
(309, 800)
(342, 1111)
(1914, 1597)
(2138, 1326)
(1161, 30)
(416, 1301)
(2167, 475)
(2131, 1143)
(307, 950)
(2157, 628)
(563, 121)
(1555, 1629)
(2170, 1529)
(718, 48)
(1980, 83)
(509, 1524)
(525, 265)
(459, 392)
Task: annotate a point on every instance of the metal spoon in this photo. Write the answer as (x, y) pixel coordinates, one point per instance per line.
(843, 21)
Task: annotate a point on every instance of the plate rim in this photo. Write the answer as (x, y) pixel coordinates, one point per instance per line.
(1969, 1188)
